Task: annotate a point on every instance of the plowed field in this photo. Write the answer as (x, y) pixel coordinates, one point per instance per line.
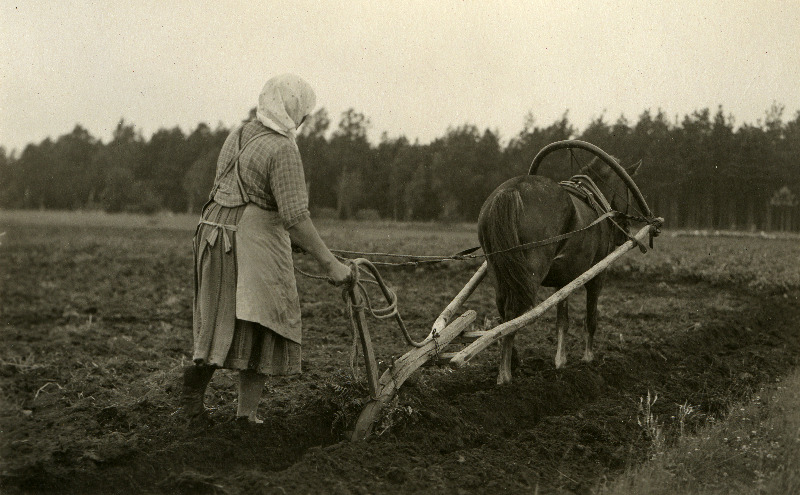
(96, 325)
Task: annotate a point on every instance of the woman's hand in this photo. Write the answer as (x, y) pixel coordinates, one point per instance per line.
(305, 235)
(339, 273)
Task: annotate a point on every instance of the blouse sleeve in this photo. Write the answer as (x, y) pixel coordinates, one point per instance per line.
(288, 184)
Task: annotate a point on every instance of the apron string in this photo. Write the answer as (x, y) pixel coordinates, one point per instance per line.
(212, 237)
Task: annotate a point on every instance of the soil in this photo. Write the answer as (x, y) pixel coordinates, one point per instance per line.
(96, 326)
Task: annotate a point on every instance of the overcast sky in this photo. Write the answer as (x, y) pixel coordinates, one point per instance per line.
(414, 68)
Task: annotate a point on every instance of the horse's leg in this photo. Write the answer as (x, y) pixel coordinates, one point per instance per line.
(593, 289)
(562, 324)
(509, 357)
(506, 358)
(506, 347)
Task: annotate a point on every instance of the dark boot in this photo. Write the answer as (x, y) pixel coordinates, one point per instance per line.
(195, 382)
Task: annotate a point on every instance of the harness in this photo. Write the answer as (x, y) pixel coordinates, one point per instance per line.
(584, 188)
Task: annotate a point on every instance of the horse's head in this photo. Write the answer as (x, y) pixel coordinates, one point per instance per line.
(614, 189)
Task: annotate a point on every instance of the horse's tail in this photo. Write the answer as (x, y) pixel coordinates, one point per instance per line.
(498, 230)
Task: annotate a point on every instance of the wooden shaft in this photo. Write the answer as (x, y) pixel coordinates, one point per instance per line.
(402, 368)
(462, 296)
(517, 323)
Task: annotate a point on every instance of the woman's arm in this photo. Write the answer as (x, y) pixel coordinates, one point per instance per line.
(305, 235)
(288, 187)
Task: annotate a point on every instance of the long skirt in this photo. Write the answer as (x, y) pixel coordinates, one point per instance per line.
(220, 338)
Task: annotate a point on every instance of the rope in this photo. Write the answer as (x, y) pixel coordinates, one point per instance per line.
(464, 254)
(391, 310)
(587, 189)
(580, 185)
(419, 260)
(425, 259)
(382, 313)
(414, 259)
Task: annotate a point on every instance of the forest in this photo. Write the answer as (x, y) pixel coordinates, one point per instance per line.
(700, 171)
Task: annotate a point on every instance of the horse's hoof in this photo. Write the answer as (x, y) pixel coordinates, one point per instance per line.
(503, 379)
(248, 420)
(588, 357)
(560, 362)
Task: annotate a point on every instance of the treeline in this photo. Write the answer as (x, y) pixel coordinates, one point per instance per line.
(700, 172)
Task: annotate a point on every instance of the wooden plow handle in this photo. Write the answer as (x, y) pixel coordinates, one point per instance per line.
(602, 155)
(357, 305)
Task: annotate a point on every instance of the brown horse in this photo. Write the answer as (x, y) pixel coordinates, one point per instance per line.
(532, 208)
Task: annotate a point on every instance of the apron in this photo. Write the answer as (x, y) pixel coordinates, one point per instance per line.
(266, 289)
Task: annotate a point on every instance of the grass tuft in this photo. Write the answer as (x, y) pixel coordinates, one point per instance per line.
(652, 429)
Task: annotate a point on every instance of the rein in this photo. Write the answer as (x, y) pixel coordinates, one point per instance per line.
(466, 254)
(581, 186)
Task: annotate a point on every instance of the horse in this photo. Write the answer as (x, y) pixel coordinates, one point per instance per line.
(531, 208)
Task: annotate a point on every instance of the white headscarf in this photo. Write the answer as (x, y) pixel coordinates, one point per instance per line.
(284, 102)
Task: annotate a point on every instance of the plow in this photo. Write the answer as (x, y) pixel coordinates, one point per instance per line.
(452, 341)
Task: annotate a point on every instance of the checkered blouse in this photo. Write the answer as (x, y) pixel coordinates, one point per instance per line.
(271, 173)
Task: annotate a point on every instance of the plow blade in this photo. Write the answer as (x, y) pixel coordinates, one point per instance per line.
(394, 377)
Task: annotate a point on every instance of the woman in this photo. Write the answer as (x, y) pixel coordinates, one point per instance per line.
(246, 308)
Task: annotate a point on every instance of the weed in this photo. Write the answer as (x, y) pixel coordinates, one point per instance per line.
(347, 395)
(393, 415)
(652, 429)
(44, 387)
(684, 411)
(22, 364)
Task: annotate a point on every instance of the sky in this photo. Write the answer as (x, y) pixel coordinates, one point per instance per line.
(414, 68)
